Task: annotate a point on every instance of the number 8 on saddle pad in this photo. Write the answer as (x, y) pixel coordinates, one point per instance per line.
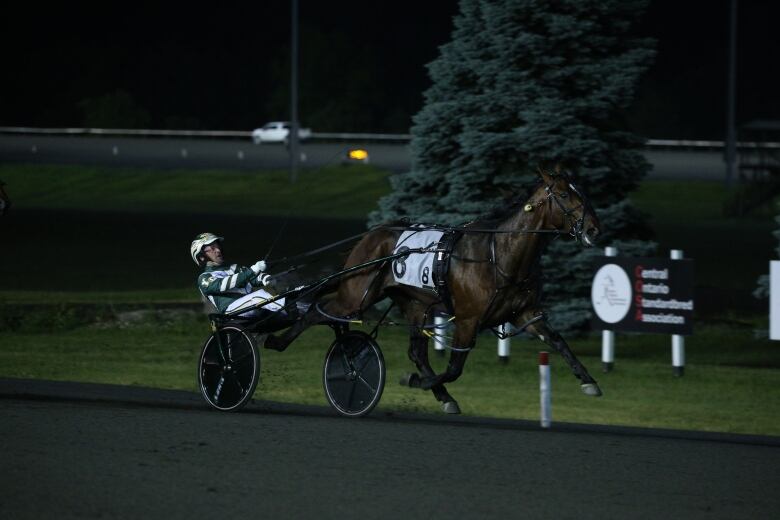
(416, 269)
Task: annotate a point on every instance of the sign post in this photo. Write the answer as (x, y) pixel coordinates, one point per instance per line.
(774, 299)
(608, 336)
(678, 341)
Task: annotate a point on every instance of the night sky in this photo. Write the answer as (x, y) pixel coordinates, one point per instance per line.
(362, 64)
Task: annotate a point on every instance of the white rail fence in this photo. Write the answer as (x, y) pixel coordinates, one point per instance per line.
(335, 136)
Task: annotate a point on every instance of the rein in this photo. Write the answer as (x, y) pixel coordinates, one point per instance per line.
(575, 230)
(460, 229)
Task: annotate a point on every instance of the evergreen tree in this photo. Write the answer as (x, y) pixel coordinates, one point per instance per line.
(525, 83)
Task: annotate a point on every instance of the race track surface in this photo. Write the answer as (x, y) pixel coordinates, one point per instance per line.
(97, 451)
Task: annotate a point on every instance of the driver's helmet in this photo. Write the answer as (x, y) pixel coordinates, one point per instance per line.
(200, 242)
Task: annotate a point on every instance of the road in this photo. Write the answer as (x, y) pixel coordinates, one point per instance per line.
(83, 451)
(229, 154)
(233, 154)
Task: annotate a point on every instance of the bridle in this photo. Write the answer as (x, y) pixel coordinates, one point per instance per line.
(577, 224)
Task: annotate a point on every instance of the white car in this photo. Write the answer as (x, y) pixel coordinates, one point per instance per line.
(277, 132)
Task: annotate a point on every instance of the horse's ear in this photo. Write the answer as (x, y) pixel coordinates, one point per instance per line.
(547, 177)
(561, 170)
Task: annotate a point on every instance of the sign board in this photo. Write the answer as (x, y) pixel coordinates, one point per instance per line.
(652, 295)
(774, 299)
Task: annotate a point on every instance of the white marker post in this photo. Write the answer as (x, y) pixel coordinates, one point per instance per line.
(608, 336)
(774, 300)
(545, 389)
(504, 344)
(440, 338)
(678, 342)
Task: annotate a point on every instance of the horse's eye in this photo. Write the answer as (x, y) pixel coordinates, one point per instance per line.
(564, 195)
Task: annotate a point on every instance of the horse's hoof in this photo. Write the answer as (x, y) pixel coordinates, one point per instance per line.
(450, 407)
(591, 389)
(411, 380)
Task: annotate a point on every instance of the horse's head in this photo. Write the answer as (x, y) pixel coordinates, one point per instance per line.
(568, 208)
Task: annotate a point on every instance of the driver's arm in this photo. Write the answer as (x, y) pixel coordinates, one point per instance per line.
(216, 282)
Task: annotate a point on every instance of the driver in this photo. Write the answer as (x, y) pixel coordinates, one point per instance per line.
(230, 287)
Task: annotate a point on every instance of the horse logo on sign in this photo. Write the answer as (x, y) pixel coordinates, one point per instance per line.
(611, 293)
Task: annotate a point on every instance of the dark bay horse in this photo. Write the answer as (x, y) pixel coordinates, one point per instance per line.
(494, 278)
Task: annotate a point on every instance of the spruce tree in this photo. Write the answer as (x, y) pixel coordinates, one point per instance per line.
(525, 83)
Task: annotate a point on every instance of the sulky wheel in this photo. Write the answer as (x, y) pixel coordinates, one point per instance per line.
(354, 374)
(229, 368)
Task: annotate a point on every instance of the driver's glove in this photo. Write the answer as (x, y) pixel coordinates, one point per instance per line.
(265, 279)
(258, 267)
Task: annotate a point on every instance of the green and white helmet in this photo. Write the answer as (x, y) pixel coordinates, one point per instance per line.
(200, 242)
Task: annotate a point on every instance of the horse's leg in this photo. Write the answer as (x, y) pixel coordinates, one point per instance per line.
(464, 339)
(418, 354)
(543, 331)
(418, 341)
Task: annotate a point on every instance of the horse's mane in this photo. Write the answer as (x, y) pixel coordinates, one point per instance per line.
(507, 207)
(500, 212)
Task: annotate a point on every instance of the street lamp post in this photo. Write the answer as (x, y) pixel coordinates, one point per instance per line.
(293, 135)
(731, 131)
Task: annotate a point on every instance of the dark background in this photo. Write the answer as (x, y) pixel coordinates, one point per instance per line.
(226, 66)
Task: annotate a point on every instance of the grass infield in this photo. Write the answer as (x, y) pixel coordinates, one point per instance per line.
(332, 192)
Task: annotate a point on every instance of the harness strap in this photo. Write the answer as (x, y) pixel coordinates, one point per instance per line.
(336, 318)
(502, 334)
(441, 268)
(435, 337)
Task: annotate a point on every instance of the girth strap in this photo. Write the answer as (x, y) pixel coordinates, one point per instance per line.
(441, 267)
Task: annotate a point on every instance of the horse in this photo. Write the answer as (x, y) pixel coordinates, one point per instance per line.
(494, 278)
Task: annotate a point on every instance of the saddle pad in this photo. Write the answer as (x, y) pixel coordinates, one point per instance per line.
(416, 269)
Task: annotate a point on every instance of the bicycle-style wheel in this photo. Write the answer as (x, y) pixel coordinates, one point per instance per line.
(229, 369)
(354, 374)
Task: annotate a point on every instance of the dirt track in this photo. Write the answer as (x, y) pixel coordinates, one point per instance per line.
(83, 451)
